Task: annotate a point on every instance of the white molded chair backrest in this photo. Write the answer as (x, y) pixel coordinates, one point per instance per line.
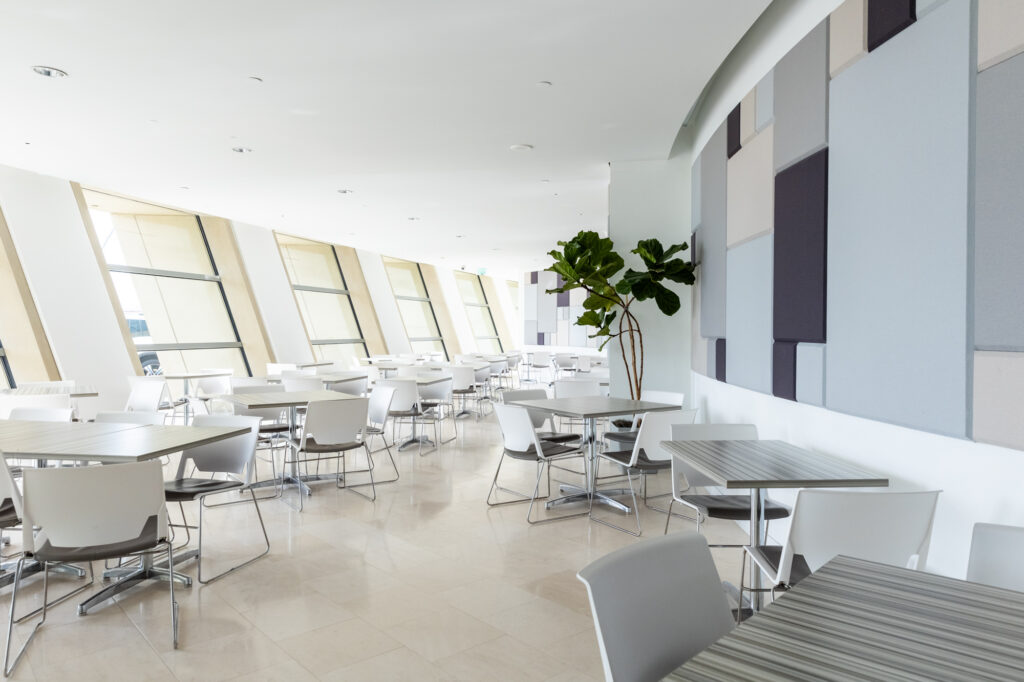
(997, 556)
(307, 382)
(569, 388)
(565, 361)
(516, 428)
(669, 397)
(211, 386)
(239, 382)
(541, 358)
(8, 488)
(408, 371)
(231, 455)
(10, 402)
(656, 427)
(147, 393)
(89, 506)
(656, 604)
(684, 475)
(888, 527)
(583, 363)
(380, 405)
(406, 394)
(333, 422)
(42, 414)
(267, 413)
(463, 377)
(538, 417)
(482, 375)
(355, 387)
(294, 373)
(279, 367)
(143, 418)
(442, 390)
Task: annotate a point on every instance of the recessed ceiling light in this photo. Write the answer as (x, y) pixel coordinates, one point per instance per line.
(256, 78)
(413, 218)
(344, 191)
(544, 84)
(545, 181)
(28, 143)
(50, 71)
(241, 150)
(458, 236)
(184, 187)
(521, 147)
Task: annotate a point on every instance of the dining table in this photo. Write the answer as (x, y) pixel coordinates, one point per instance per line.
(74, 391)
(859, 620)
(186, 379)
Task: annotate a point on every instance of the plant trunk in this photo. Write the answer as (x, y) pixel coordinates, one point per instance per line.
(625, 362)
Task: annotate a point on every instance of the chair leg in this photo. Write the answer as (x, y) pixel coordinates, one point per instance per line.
(533, 500)
(668, 517)
(9, 668)
(636, 510)
(743, 575)
(373, 486)
(199, 554)
(174, 602)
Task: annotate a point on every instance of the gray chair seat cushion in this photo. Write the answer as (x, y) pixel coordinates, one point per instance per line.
(621, 436)
(464, 391)
(315, 448)
(147, 539)
(733, 507)
(772, 555)
(643, 464)
(186, 489)
(548, 448)
(273, 428)
(415, 412)
(556, 437)
(8, 515)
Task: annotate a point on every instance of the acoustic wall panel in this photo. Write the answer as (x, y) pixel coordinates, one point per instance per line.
(547, 305)
(713, 225)
(750, 192)
(748, 116)
(999, 208)
(810, 373)
(530, 332)
(719, 359)
(897, 232)
(733, 132)
(749, 315)
(999, 398)
(784, 369)
(698, 346)
(695, 194)
(801, 216)
(801, 92)
(1000, 31)
(886, 18)
(847, 35)
(765, 101)
(577, 296)
(531, 294)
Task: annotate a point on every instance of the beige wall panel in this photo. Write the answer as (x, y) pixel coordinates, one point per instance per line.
(360, 295)
(1000, 31)
(239, 294)
(441, 312)
(21, 330)
(498, 312)
(748, 116)
(751, 189)
(848, 36)
(999, 398)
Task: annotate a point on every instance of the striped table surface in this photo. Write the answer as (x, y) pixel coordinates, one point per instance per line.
(770, 464)
(76, 391)
(859, 620)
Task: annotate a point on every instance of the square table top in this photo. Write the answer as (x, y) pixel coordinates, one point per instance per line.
(76, 391)
(196, 375)
(283, 398)
(856, 619)
(770, 464)
(304, 365)
(103, 442)
(593, 406)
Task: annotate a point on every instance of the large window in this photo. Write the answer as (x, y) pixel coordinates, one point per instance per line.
(323, 300)
(517, 320)
(6, 378)
(414, 305)
(168, 287)
(479, 312)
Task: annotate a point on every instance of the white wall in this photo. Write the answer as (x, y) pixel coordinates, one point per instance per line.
(652, 199)
(67, 285)
(457, 310)
(273, 293)
(383, 298)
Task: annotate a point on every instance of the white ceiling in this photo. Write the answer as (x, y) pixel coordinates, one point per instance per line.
(411, 104)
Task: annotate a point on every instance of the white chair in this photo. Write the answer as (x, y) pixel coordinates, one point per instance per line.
(237, 382)
(571, 388)
(43, 414)
(538, 417)
(209, 389)
(63, 384)
(90, 514)
(9, 402)
(377, 417)
(542, 362)
(302, 383)
(464, 386)
(356, 387)
(521, 443)
(276, 368)
(274, 428)
(565, 364)
(632, 424)
(997, 554)
(333, 427)
(437, 403)
(141, 418)
(892, 528)
(656, 604)
(232, 457)
(149, 394)
(684, 477)
(404, 406)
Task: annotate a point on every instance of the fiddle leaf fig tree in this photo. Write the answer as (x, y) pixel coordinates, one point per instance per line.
(588, 261)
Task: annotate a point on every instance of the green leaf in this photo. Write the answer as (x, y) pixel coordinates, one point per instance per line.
(667, 300)
(645, 289)
(590, 318)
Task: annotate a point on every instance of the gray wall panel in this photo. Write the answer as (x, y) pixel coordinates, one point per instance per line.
(801, 95)
(765, 101)
(999, 209)
(695, 195)
(713, 235)
(810, 373)
(897, 228)
(748, 313)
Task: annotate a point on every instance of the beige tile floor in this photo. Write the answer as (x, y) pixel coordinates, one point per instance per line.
(426, 583)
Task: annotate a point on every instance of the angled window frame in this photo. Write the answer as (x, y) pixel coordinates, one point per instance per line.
(388, 260)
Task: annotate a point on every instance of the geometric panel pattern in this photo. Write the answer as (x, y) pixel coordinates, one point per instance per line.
(748, 116)
(897, 308)
(1000, 31)
(549, 319)
(749, 314)
(810, 373)
(999, 398)
(733, 132)
(801, 92)
(713, 235)
(886, 18)
(765, 101)
(784, 370)
(999, 208)
(718, 357)
(698, 346)
(848, 38)
(801, 214)
(750, 191)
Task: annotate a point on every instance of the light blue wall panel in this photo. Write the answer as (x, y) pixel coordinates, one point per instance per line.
(695, 195)
(898, 228)
(748, 351)
(765, 101)
(713, 235)
(801, 96)
(810, 373)
(999, 212)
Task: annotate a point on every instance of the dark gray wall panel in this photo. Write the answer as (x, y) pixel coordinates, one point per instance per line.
(748, 314)
(886, 18)
(713, 236)
(999, 209)
(898, 228)
(720, 359)
(784, 370)
(801, 96)
(733, 131)
(801, 216)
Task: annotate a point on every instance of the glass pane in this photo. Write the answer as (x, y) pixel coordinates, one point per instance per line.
(3, 374)
(405, 278)
(342, 354)
(172, 310)
(513, 294)
(327, 316)
(418, 317)
(490, 346)
(175, 361)
(309, 263)
(163, 242)
(424, 347)
(480, 321)
(469, 287)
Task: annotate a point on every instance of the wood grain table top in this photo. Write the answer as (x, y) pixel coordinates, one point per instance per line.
(76, 391)
(283, 398)
(593, 406)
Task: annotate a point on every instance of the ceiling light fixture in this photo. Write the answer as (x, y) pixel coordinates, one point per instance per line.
(344, 191)
(50, 71)
(184, 187)
(241, 150)
(544, 84)
(458, 236)
(413, 218)
(521, 147)
(256, 78)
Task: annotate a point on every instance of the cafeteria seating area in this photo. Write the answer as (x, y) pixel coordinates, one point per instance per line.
(512, 341)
